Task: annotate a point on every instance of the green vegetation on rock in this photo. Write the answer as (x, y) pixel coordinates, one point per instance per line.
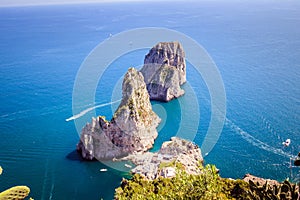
(16, 193)
(207, 185)
(172, 163)
(183, 186)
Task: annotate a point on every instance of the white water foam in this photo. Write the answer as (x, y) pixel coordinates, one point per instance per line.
(255, 142)
(82, 113)
(268, 126)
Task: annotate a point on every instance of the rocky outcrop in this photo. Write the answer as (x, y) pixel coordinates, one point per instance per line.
(260, 181)
(132, 128)
(174, 153)
(164, 71)
(260, 188)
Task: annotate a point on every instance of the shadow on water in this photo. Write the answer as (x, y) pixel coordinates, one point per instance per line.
(116, 168)
(75, 156)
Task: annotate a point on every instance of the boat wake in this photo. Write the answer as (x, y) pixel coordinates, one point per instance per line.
(255, 142)
(82, 113)
(267, 125)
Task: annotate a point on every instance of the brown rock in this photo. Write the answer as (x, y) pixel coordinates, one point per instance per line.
(259, 180)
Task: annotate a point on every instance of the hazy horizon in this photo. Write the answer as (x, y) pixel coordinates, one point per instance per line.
(13, 3)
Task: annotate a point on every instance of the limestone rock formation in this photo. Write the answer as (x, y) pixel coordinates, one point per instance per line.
(162, 163)
(260, 181)
(132, 128)
(260, 188)
(164, 71)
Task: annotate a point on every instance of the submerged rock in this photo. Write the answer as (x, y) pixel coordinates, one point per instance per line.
(164, 71)
(132, 128)
(163, 163)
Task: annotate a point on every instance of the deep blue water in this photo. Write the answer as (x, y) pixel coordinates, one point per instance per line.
(256, 47)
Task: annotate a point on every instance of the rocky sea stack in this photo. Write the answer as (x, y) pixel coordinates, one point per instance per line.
(132, 128)
(164, 71)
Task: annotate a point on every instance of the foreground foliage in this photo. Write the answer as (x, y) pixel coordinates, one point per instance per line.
(208, 185)
(16, 193)
(183, 186)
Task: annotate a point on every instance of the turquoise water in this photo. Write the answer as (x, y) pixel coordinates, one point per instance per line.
(256, 47)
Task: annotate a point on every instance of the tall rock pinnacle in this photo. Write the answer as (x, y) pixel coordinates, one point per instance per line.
(132, 128)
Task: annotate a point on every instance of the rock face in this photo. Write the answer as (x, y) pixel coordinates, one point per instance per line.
(162, 163)
(260, 181)
(164, 71)
(132, 128)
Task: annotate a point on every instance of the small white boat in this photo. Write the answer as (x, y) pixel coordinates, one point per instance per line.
(287, 143)
(103, 170)
(128, 166)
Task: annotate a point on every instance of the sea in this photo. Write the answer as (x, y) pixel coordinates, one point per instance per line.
(255, 46)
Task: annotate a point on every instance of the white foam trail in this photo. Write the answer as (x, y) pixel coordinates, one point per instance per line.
(268, 126)
(252, 140)
(90, 109)
(52, 186)
(45, 179)
(51, 192)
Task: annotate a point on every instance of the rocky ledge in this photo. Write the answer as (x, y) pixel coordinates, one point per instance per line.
(260, 181)
(132, 128)
(174, 153)
(164, 71)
